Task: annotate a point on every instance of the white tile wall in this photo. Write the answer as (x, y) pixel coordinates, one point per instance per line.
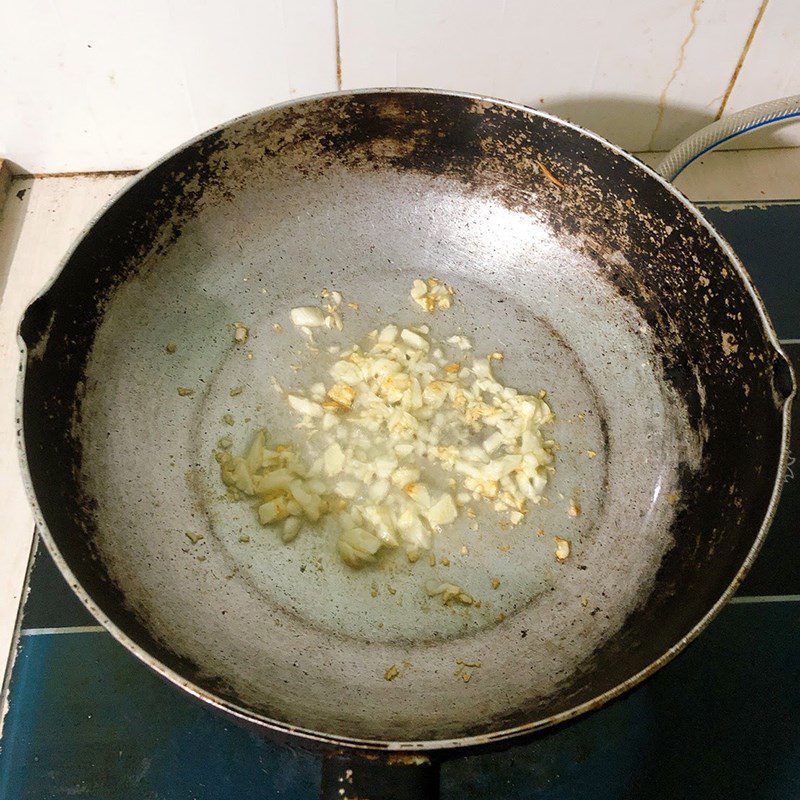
(262, 53)
(771, 69)
(101, 85)
(606, 64)
(108, 84)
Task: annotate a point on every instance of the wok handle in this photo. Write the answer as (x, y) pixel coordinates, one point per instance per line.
(783, 377)
(35, 322)
(384, 776)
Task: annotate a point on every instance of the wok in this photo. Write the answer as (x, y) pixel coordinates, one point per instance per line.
(597, 279)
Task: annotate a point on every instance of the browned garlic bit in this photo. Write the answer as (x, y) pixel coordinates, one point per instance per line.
(448, 592)
(240, 333)
(574, 509)
(391, 673)
(341, 396)
(432, 294)
(464, 666)
(562, 548)
(183, 391)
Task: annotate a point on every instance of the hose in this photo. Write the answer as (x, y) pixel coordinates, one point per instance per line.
(723, 130)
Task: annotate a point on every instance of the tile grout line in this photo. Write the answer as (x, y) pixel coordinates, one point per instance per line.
(338, 39)
(757, 202)
(766, 598)
(72, 629)
(742, 56)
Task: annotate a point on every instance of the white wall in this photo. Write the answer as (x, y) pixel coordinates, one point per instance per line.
(107, 84)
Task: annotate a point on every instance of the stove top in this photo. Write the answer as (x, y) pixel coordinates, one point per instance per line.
(87, 720)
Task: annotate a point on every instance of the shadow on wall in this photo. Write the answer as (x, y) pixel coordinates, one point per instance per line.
(622, 121)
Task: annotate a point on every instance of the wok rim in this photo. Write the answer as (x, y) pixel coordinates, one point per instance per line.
(322, 739)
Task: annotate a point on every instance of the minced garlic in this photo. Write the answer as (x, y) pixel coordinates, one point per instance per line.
(432, 294)
(308, 317)
(391, 411)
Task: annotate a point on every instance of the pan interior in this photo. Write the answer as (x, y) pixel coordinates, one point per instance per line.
(287, 630)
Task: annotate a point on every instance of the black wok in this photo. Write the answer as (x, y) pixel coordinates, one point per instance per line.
(599, 281)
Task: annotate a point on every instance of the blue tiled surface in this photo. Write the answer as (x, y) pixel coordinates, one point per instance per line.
(777, 569)
(87, 720)
(766, 240)
(718, 722)
(52, 603)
